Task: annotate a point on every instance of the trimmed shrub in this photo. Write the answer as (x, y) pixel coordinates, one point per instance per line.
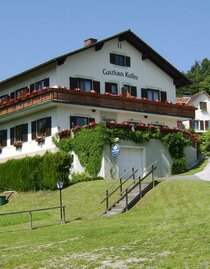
(35, 173)
(178, 166)
(82, 177)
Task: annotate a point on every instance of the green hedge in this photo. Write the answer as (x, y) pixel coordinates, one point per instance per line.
(35, 173)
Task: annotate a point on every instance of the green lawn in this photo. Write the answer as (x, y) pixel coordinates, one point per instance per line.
(169, 228)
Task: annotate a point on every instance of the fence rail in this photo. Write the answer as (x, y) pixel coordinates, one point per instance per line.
(62, 209)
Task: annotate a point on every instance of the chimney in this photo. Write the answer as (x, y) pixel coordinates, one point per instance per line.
(89, 41)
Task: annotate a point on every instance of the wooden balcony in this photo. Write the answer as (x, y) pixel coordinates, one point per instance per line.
(96, 100)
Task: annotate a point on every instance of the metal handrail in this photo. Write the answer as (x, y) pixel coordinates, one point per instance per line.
(134, 183)
(36, 210)
(121, 184)
(141, 179)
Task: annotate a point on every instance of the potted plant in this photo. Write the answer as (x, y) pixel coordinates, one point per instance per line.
(40, 139)
(18, 144)
(65, 133)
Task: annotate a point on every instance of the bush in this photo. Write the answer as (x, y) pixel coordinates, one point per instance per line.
(82, 177)
(35, 173)
(179, 166)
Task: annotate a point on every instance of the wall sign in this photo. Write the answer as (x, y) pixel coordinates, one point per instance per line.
(115, 150)
(119, 74)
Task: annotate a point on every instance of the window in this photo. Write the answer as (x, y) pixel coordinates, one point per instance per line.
(198, 125)
(121, 60)
(19, 133)
(18, 92)
(39, 85)
(3, 138)
(207, 124)
(203, 105)
(154, 95)
(84, 84)
(111, 87)
(131, 89)
(41, 127)
(80, 121)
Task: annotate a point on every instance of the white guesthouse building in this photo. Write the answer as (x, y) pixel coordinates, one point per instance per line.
(119, 78)
(200, 100)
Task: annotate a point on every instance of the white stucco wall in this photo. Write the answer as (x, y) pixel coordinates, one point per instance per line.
(90, 64)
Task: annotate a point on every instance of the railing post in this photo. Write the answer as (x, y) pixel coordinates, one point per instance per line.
(30, 219)
(64, 215)
(126, 199)
(107, 199)
(120, 186)
(140, 192)
(133, 173)
(153, 183)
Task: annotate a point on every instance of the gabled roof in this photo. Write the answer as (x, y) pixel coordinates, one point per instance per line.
(147, 53)
(190, 99)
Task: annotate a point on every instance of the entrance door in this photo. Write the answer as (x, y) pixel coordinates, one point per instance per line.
(129, 160)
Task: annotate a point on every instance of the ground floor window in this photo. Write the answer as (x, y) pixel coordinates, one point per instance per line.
(3, 138)
(80, 121)
(41, 127)
(19, 133)
(200, 125)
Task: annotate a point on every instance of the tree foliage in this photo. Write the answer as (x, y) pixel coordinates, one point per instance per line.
(199, 75)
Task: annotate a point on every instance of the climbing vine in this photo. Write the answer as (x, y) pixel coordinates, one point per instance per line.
(176, 142)
(89, 143)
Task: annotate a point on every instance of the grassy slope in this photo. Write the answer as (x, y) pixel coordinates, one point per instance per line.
(168, 229)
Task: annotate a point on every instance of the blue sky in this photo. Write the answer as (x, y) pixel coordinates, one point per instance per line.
(35, 31)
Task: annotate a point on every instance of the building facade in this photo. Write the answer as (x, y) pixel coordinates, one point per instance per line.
(201, 122)
(116, 79)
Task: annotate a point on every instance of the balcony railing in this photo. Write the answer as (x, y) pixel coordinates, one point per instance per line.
(96, 100)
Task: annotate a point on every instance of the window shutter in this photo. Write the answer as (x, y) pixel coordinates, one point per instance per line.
(96, 86)
(12, 135)
(133, 91)
(91, 120)
(72, 122)
(206, 124)
(33, 130)
(31, 87)
(108, 87)
(191, 124)
(47, 82)
(112, 58)
(144, 93)
(201, 125)
(4, 138)
(12, 95)
(163, 96)
(128, 61)
(73, 83)
(48, 126)
(24, 130)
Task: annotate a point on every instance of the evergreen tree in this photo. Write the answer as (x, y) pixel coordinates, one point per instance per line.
(199, 75)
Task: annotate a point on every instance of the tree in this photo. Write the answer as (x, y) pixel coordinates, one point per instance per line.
(199, 75)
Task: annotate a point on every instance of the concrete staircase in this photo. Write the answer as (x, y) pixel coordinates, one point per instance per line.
(126, 203)
(133, 191)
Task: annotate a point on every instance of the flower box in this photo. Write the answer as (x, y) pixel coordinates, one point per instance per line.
(92, 124)
(140, 127)
(18, 144)
(65, 133)
(40, 139)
